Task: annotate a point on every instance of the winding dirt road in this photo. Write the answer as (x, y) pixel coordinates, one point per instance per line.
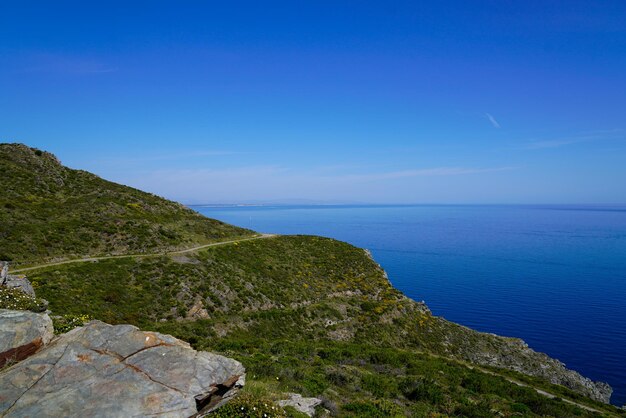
(107, 257)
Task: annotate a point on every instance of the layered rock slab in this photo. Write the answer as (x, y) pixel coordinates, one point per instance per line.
(22, 333)
(102, 370)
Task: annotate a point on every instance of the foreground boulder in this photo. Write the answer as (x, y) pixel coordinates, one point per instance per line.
(22, 333)
(102, 370)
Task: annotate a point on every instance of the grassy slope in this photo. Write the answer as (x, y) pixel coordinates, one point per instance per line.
(328, 324)
(304, 314)
(48, 212)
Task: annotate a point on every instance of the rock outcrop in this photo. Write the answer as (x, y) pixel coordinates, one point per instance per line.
(4, 271)
(514, 354)
(20, 283)
(304, 405)
(102, 370)
(22, 333)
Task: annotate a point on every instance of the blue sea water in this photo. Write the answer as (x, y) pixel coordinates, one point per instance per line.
(554, 276)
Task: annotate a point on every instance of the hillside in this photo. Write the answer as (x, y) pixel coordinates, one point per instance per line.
(48, 211)
(303, 314)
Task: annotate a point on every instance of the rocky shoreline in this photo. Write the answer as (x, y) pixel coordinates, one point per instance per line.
(487, 349)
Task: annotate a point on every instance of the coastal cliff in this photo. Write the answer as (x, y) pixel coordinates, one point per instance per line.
(488, 349)
(303, 314)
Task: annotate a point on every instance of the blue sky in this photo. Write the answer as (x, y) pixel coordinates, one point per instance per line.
(337, 101)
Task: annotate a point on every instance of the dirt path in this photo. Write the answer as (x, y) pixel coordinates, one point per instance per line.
(107, 257)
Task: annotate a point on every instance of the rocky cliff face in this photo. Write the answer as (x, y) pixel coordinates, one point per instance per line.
(514, 354)
(486, 349)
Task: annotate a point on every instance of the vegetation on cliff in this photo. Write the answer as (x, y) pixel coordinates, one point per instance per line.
(48, 211)
(303, 314)
(328, 324)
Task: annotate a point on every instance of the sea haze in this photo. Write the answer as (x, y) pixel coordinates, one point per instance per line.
(554, 276)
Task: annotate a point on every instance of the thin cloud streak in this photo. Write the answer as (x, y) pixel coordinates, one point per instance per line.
(248, 183)
(425, 172)
(253, 172)
(493, 120)
(615, 134)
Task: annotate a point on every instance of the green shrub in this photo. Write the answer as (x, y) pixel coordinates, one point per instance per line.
(423, 390)
(378, 408)
(294, 413)
(477, 410)
(65, 323)
(520, 408)
(249, 406)
(17, 300)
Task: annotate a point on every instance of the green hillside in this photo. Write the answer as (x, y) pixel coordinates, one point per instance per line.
(309, 315)
(304, 314)
(48, 211)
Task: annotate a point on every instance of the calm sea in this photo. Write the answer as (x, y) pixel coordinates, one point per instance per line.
(554, 276)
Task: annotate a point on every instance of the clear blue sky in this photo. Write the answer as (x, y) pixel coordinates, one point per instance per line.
(386, 102)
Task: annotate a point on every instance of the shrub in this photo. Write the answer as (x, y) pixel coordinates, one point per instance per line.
(66, 323)
(376, 409)
(17, 300)
(520, 408)
(423, 390)
(249, 406)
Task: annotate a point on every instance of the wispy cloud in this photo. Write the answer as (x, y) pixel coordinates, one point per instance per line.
(612, 134)
(553, 143)
(249, 183)
(424, 172)
(493, 120)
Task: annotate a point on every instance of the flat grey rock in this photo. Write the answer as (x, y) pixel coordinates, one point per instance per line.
(304, 405)
(22, 333)
(102, 370)
(14, 282)
(20, 283)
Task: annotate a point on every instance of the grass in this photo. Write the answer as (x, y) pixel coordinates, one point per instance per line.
(357, 380)
(50, 212)
(250, 406)
(329, 325)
